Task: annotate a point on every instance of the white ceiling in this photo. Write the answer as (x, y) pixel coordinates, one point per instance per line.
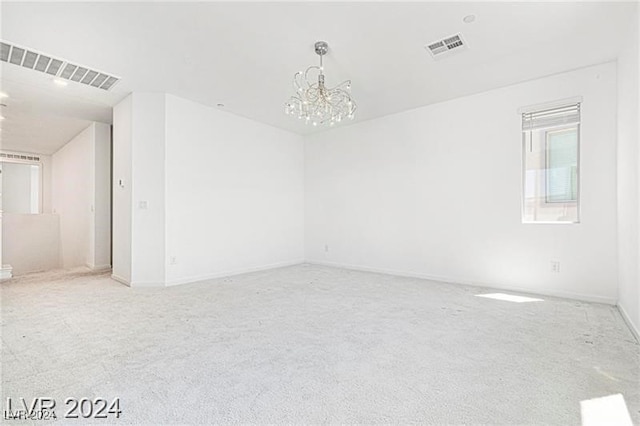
(245, 54)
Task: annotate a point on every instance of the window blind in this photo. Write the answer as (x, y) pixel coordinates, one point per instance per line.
(558, 116)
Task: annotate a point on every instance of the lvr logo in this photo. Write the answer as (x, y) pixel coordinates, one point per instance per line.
(37, 404)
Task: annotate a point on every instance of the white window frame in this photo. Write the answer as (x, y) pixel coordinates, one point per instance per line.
(543, 107)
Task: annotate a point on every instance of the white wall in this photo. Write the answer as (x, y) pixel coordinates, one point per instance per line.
(208, 193)
(235, 193)
(122, 172)
(100, 223)
(629, 178)
(138, 182)
(31, 242)
(71, 195)
(436, 192)
(148, 186)
(81, 196)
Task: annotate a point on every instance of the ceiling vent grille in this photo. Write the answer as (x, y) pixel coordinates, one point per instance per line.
(446, 46)
(19, 156)
(29, 58)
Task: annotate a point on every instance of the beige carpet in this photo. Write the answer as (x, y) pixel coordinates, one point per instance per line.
(312, 344)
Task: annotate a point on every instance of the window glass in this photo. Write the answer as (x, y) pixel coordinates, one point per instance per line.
(562, 165)
(20, 187)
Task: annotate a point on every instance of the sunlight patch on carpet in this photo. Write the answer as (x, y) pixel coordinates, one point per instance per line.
(608, 410)
(510, 297)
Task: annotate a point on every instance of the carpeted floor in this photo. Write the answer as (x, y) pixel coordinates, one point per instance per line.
(311, 344)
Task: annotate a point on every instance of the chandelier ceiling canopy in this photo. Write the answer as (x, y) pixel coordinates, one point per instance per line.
(314, 102)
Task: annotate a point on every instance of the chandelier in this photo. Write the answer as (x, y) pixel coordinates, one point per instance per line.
(314, 102)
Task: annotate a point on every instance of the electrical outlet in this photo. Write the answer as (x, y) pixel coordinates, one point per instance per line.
(326, 248)
(173, 260)
(555, 266)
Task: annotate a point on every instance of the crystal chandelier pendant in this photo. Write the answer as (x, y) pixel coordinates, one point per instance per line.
(314, 102)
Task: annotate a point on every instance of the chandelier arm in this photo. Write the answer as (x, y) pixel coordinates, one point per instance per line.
(297, 80)
(306, 73)
(346, 83)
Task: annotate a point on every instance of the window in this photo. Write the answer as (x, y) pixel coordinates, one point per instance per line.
(20, 187)
(551, 147)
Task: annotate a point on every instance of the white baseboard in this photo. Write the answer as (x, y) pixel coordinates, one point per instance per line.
(196, 278)
(120, 280)
(632, 326)
(98, 268)
(223, 274)
(6, 272)
(137, 284)
(458, 280)
(146, 284)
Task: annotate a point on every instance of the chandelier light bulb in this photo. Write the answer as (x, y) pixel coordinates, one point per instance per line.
(314, 99)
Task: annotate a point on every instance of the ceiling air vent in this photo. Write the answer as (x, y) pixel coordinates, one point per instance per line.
(19, 156)
(446, 46)
(29, 58)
